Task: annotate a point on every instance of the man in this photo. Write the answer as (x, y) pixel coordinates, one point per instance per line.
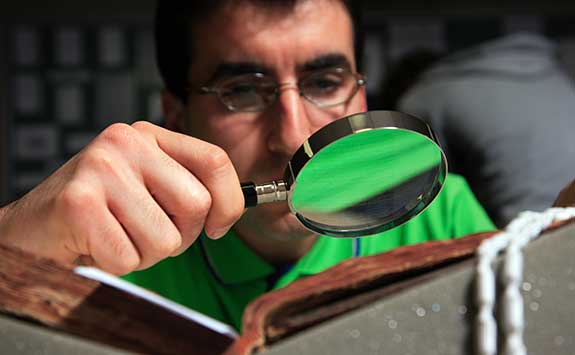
(139, 194)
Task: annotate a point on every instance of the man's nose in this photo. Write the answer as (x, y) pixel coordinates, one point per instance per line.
(292, 121)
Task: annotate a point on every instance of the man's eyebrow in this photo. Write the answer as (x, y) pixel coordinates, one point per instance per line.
(326, 61)
(230, 69)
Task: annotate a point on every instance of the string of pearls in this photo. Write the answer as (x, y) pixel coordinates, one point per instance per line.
(526, 227)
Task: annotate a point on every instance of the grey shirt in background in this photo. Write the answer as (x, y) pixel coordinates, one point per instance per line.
(505, 114)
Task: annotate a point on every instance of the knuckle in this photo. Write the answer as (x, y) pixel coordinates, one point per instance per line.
(127, 262)
(217, 160)
(119, 134)
(236, 212)
(127, 257)
(188, 238)
(168, 245)
(193, 199)
(98, 160)
(142, 126)
(76, 197)
(200, 204)
(184, 207)
(230, 214)
(165, 238)
(122, 256)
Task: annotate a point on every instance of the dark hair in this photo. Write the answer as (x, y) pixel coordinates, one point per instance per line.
(174, 39)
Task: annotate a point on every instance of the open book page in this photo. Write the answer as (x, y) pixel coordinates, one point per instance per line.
(120, 284)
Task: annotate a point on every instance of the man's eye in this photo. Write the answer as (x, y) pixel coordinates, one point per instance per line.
(325, 84)
(241, 89)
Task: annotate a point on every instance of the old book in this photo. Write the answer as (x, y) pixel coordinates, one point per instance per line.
(96, 306)
(91, 304)
(349, 285)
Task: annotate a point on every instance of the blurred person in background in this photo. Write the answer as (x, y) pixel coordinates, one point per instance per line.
(504, 112)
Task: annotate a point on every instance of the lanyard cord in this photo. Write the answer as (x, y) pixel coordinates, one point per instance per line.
(210, 263)
(526, 227)
(356, 247)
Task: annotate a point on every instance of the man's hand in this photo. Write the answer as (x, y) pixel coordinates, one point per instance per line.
(133, 196)
(566, 197)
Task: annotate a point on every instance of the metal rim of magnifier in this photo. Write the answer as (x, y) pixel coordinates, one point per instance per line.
(354, 124)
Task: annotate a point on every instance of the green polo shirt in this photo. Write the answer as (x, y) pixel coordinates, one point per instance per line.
(220, 277)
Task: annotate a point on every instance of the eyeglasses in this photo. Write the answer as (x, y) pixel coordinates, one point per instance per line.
(256, 91)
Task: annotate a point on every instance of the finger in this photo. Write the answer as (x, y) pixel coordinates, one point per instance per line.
(212, 166)
(111, 249)
(144, 221)
(95, 232)
(180, 194)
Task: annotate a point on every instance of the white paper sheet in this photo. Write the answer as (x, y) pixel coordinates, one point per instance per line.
(120, 284)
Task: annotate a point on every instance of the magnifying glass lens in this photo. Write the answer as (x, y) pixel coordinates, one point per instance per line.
(367, 182)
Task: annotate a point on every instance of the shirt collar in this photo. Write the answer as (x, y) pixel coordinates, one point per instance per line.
(325, 253)
(233, 262)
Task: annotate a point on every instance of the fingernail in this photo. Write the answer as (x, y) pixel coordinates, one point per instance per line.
(218, 233)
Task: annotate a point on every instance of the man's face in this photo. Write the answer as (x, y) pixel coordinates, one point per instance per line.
(286, 46)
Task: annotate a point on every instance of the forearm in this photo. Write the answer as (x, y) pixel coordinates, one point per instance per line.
(4, 213)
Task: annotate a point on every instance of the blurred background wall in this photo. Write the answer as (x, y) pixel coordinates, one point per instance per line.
(70, 68)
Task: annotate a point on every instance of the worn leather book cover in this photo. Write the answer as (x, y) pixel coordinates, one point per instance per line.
(102, 308)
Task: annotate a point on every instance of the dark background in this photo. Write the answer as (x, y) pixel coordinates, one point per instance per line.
(70, 68)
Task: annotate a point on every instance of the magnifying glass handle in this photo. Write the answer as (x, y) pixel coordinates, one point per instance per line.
(263, 193)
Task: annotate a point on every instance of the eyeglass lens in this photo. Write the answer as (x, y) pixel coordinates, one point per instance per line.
(254, 92)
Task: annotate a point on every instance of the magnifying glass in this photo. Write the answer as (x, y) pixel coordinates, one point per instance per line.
(360, 175)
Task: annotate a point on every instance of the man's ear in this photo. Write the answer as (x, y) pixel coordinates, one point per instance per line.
(174, 111)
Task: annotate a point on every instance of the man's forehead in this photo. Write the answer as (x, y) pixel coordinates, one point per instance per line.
(252, 17)
(305, 35)
(274, 8)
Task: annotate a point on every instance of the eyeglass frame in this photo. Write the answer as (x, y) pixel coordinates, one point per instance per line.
(360, 80)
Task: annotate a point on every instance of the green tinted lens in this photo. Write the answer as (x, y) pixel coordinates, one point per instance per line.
(361, 166)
